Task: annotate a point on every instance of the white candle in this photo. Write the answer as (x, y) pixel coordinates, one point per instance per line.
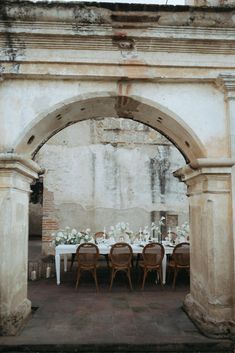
(48, 272)
(33, 275)
(104, 232)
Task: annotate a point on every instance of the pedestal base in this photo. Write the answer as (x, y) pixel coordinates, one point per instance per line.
(206, 324)
(10, 324)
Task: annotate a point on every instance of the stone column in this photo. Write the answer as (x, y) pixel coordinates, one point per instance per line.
(210, 302)
(228, 84)
(16, 174)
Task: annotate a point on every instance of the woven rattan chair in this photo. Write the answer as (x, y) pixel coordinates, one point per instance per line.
(73, 258)
(120, 260)
(180, 260)
(153, 254)
(87, 257)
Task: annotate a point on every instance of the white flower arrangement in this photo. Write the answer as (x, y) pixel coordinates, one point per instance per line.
(183, 231)
(120, 230)
(156, 226)
(71, 236)
(144, 234)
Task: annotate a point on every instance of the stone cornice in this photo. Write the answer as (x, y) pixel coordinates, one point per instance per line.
(19, 163)
(118, 14)
(227, 82)
(71, 36)
(39, 40)
(137, 71)
(205, 166)
(74, 26)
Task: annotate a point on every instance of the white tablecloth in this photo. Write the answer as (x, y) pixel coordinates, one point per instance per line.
(103, 249)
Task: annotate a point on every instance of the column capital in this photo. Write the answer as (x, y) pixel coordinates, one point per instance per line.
(17, 172)
(203, 166)
(227, 83)
(212, 176)
(20, 164)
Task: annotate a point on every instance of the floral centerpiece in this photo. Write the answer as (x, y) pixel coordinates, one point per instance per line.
(183, 232)
(156, 228)
(143, 235)
(121, 232)
(72, 236)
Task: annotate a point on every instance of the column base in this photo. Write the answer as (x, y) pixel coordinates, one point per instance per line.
(209, 326)
(10, 324)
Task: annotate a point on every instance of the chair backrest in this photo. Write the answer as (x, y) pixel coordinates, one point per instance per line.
(153, 254)
(121, 254)
(87, 254)
(181, 254)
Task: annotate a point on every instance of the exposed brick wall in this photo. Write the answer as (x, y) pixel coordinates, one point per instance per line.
(49, 221)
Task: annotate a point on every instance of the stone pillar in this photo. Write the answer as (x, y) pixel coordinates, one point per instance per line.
(228, 84)
(210, 302)
(16, 174)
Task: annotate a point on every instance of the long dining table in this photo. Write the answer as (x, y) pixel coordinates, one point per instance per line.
(104, 249)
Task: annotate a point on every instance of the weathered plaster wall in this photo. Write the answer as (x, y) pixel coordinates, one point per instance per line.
(196, 104)
(100, 172)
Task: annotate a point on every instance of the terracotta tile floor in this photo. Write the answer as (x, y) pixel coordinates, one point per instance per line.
(108, 321)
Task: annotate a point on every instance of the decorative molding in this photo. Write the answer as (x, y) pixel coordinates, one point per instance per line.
(74, 70)
(163, 39)
(227, 83)
(20, 164)
(212, 162)
(205, 166)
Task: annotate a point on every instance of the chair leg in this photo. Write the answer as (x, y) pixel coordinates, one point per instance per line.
(112, 278)
(144, 278)
(129, 278)
(95, 278)
(72, 261)
(78, 278)
(175, 275)
(159, 273)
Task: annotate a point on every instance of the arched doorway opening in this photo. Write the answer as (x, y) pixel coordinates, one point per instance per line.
(86, 158)
(102, 105)
(105, 171)
(207, 186)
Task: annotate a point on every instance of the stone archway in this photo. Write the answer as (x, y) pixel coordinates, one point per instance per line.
(105, 104)
(209, 304)
(182, 58)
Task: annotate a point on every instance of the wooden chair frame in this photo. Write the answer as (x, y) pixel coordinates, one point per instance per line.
(155, 265)
(175, 263)
(116, 265)
(88, 263)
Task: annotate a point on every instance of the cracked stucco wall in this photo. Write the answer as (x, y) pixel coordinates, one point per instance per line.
(100, 172)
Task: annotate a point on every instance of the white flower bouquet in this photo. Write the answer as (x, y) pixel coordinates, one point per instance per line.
(120, 232)
(156, 227)
(71, 236)
(183, 231)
